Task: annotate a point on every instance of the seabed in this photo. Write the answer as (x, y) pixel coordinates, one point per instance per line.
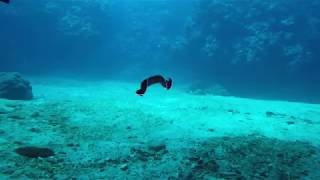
(103, 130)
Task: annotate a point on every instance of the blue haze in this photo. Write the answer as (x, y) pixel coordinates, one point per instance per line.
(253, 48)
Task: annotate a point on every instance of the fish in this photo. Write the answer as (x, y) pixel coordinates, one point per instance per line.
(153, 80)
(5, 1)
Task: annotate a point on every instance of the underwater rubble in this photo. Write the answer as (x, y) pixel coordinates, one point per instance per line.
(254, 157)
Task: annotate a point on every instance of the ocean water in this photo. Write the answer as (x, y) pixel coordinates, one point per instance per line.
(244, 101)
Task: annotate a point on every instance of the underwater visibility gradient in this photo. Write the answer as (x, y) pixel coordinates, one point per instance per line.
(160, 89)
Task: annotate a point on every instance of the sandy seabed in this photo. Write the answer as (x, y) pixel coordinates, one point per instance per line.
(102, 130)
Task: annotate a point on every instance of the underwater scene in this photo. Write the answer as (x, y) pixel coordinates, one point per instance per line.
(160, 89)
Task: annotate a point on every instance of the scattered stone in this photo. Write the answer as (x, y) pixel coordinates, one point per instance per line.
(157, 148)
(124, 167)
(8, 170)
(204, 108)
(219, 153)
(140, 154)
(292, 117)
(35, 115)
(14, 105)
(128, 128)
(154, 152)
(70, 144)
(73, 145)
(290, 122)
(3, 111)
(2, 132)
(14, 87)
(55, 161)
(229, 175)
(211, 129)
(233, 111)
(308, 121)
(111, 161)
(132, 137)
(16, 116)
(151, 152)
(211, 165)
(34, 152)
(270, 114)
(35, 130)
(17, 142)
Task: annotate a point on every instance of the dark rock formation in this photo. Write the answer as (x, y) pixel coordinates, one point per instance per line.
(34, 152)
(14, 87)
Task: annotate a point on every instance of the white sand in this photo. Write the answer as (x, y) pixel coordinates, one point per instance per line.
(107, 118)
(177, 114)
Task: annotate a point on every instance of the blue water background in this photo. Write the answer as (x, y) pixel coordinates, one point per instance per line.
(253, 48)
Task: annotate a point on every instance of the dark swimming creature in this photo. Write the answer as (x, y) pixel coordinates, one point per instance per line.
(154, 80)
(5, 1)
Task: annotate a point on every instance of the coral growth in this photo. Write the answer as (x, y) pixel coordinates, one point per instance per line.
(244, 31)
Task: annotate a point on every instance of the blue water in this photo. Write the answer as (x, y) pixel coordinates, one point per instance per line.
(256, 49)
(253, 48)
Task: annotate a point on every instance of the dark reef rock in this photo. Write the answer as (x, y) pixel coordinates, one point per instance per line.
(34, 152)
(14, 87)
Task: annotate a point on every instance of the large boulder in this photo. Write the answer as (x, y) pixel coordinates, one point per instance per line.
(14, 87)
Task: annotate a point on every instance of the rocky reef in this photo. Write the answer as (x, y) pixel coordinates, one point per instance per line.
(246, 45)
(14, 87)
(244, 32)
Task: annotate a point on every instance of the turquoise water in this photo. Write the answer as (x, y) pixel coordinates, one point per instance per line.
(244, 102)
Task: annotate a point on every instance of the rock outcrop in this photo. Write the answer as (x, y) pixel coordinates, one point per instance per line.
(14, 87)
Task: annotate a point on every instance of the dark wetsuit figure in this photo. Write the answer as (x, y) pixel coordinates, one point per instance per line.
(6, 1)
(154, 80)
